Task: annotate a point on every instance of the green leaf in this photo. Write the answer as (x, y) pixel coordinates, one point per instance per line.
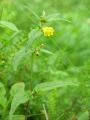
(17, 88)
(35, 33)
(18, 58)
(56, 17)
(8, 25)
(21, 54)
(19, 98)
(84, 116)
(53, 17)
(52, 85)
(47, 51)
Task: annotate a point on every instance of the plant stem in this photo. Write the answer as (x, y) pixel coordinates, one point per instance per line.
(31, 87)
(45, 112)
(31, 72)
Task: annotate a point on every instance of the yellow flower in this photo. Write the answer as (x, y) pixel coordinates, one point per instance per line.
(48, 31)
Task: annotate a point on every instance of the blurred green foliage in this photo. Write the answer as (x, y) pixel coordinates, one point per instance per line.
(68, 60)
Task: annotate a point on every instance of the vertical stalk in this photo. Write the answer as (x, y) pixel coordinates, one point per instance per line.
(45, 112)
(31, 72)
(30, 84)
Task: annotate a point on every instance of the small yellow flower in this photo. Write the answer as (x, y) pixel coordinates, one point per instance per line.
(48, 31)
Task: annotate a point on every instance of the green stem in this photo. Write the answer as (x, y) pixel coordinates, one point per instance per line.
(31, 72)
(31, 87)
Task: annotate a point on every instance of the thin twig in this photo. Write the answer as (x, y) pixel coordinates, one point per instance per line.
(45, 112)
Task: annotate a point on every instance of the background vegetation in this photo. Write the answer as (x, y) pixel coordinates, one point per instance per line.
(65, 59)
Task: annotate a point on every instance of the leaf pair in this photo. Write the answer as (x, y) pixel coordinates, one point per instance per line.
(21, 54)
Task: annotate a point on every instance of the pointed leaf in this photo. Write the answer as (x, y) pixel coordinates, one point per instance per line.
(47, 51)
(18, 99)
(52, 85)
(18, 58)
(8, 25)
(32, 36)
